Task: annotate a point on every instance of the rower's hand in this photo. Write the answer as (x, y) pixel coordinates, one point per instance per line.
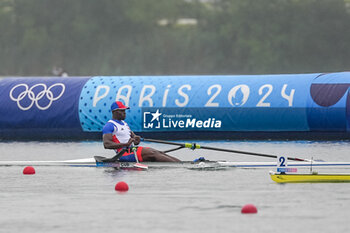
(137, 140)
(131, 141)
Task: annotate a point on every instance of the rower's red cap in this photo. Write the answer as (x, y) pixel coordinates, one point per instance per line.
(118, 105)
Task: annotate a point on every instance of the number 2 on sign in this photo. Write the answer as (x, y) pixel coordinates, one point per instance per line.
(282, 161)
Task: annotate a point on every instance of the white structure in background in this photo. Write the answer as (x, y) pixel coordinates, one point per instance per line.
(181, 22)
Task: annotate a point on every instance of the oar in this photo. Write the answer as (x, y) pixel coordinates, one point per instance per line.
(138, 164)
(196, 146)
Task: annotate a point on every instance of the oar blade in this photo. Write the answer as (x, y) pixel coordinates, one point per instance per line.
(140, 165)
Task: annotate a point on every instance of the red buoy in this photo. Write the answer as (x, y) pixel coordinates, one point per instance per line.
(121, 186)
(29, 170)
(249, 209)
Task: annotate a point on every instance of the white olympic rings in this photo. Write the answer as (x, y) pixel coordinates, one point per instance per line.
(35, 98)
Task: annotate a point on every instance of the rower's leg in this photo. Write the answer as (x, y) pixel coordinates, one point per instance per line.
(150, 154)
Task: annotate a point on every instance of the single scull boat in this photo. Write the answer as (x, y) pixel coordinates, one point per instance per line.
(92, 162)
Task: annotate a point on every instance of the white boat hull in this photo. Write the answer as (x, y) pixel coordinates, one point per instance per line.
(91, 162)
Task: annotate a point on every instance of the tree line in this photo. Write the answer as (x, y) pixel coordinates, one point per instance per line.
(173, 37)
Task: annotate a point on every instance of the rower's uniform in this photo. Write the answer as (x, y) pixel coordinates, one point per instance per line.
(121, 134)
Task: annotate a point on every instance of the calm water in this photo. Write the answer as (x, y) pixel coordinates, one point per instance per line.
(67, 199)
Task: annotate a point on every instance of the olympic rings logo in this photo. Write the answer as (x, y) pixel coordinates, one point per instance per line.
(34, 98)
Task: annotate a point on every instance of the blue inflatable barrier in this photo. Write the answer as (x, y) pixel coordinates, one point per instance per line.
(231, 106)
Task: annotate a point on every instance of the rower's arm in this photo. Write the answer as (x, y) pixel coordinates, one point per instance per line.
(108, 142)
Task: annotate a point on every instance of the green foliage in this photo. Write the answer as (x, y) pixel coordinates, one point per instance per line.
(165, 37)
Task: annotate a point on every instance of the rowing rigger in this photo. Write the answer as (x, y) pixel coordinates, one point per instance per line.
(91, 162)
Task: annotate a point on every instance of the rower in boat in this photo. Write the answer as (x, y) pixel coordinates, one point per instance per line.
(118, 136)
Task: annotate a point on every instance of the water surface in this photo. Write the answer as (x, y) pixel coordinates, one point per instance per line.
(73, 199)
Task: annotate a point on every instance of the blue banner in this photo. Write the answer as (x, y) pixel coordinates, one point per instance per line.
(231, 103)
(329, 105)
(256, 102)
(40, 103)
